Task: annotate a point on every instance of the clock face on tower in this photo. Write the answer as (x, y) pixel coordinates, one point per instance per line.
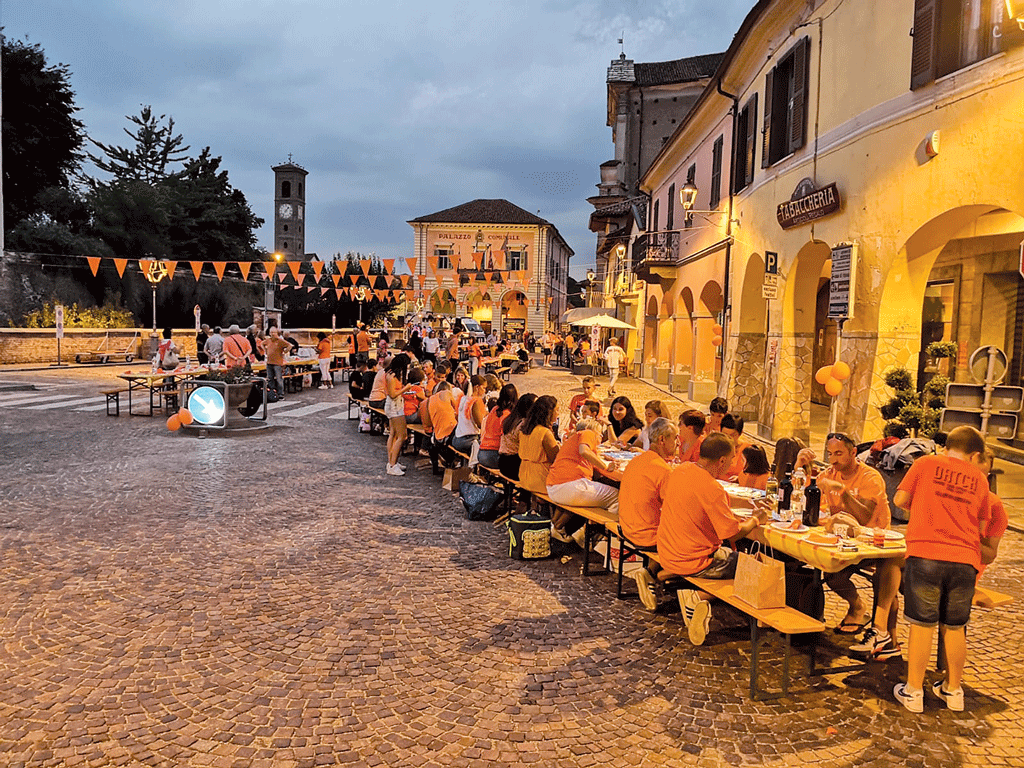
(285, 211)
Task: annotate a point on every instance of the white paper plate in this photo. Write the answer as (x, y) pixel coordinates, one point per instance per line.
(783, 526)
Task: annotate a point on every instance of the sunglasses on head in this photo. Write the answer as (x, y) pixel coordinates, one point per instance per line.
(840, 437)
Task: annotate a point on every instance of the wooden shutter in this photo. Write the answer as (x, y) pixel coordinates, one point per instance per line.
(926, 35)
(797, 117)
(716, 172)
(752, 137)
(670, 207)
(766, 134)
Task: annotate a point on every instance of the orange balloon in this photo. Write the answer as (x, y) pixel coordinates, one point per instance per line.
(716, 341)
(833, 387)
(173, 422)
(840, 371)
(716, 329)
(185, 416)
(823, 374)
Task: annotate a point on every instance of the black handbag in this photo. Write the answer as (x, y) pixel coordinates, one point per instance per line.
(529, 537)
(482, 502)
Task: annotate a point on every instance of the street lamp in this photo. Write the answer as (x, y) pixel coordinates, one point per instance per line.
(688, 196)
(1015, 10)
(154, 273)
(268, 291)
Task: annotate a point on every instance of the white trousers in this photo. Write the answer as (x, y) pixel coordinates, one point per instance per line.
(585, 493)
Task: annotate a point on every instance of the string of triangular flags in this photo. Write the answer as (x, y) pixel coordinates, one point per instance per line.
(380, 286)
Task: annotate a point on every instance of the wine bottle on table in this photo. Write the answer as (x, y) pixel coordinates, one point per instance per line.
(812, 502)
(786, 490)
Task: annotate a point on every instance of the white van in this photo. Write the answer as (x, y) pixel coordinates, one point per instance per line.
(472, 327)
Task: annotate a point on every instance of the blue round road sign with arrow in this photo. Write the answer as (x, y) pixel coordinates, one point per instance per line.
(207, 405)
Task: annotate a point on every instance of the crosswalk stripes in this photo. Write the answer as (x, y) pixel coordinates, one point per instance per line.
(63, 404)
(24, 400)
(306, 410)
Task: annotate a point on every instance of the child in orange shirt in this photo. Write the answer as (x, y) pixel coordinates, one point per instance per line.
(948, 500)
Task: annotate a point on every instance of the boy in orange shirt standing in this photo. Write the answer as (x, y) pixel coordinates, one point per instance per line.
(949, 504)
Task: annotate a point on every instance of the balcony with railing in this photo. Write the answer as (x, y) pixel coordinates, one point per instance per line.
(655, 249)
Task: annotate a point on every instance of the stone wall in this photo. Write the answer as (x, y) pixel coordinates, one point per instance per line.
(747, 383)
(39, 345)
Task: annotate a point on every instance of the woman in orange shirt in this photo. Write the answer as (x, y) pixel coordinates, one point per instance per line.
(570, 480)
(490, 437)
(323, 355)
(537, 444)
(755, 473)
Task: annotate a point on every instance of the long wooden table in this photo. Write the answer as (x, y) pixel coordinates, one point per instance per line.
(167, 381)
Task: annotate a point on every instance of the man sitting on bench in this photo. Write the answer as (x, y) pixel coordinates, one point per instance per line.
(695, 519)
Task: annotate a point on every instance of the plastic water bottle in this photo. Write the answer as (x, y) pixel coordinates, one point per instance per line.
(154, 363)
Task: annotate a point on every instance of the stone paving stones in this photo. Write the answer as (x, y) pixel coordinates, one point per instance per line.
(275, 600)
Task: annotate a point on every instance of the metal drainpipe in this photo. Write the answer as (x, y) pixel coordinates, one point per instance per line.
(728, 223)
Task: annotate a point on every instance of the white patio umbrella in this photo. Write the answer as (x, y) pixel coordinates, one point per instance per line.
(603, 321)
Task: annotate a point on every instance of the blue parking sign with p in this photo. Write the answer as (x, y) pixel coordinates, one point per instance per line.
(771, 263)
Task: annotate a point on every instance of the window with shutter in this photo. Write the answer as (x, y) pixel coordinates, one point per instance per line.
(766, 130)
(797, 117)
(785, 104)
(746, 138)
(670, 206)
(751, 143)
(922, 60)
(657, 209)
(716, 173)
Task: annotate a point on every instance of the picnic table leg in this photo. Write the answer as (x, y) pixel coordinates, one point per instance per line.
(785, 668)
(754, 651)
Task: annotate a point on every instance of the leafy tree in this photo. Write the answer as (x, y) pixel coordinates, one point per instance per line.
(42, 138)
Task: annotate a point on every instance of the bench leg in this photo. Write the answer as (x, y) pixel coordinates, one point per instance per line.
(755, 646)
(115, 400)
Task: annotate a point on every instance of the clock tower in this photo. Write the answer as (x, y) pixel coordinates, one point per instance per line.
(290, 209)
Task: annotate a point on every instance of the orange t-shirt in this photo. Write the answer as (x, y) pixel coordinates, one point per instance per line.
(949, 507)
(753, 481)
(413, 397)
(490, 438)
(442, 414)
(695, 520)
(690, 455)
(568, 464)
(362, 342)
(640, 498)
(323, 349)
(997, 523)
(866, 483)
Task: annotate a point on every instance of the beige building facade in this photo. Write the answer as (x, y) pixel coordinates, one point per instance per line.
(495, 262)
(825, 126)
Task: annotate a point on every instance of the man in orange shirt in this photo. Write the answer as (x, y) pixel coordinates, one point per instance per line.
(237, 350)
(363, 343)
(732, 427)
(695, 519)
(857, 490)
(640, 500)
(949, 505)
(691, 433)
(439, 421)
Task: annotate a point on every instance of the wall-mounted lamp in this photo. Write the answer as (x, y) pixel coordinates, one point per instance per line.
(1015, 10)
(620, 251)
(688, 196)
(591, 275)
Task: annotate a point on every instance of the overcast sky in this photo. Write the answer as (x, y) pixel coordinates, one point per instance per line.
(396, 109)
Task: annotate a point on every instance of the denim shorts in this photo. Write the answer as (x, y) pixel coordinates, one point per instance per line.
(938, 592)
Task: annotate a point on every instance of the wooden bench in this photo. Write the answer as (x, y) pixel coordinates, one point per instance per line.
(787, 621)
(114, 399)
(985, 597)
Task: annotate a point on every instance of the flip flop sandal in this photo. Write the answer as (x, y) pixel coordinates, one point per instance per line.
(847, 627)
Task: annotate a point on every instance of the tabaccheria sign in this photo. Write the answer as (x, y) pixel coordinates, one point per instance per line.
(808, 204)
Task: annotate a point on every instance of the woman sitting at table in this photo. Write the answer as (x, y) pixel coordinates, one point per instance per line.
(511, 431)
(168, 352)
(537, 444)
(755, 473)
(570, 480)
(490, 437)
(471, 411)
(655, 409)
(623, 424)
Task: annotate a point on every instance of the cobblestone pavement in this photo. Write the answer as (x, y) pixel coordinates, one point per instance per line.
(274, 599)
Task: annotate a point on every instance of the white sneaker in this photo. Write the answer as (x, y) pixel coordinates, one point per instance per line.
(953, 700)
(395, 469)
(400, 465)
(644, 583)
(912, 700)
(696, 615)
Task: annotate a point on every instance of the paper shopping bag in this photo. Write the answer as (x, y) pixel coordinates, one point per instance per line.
(760, 581)
(452, 477)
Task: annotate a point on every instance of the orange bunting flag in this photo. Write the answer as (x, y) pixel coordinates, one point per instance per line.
(309, 289)
(120, 264)
(219, 267)
(295, 266)
(318, 268)
(244, 267)
(335, 277)
(405, 280)
(433, 261)
(337, 294)
(364, 264)
(323, 291)
(300, 278)
(197, 269)
(422, 280)
(94, 263)
(171, 265)
(281, 276)
(389, 266)
(270, 267)
(411, 263)
(354, 279)
(145, 264)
